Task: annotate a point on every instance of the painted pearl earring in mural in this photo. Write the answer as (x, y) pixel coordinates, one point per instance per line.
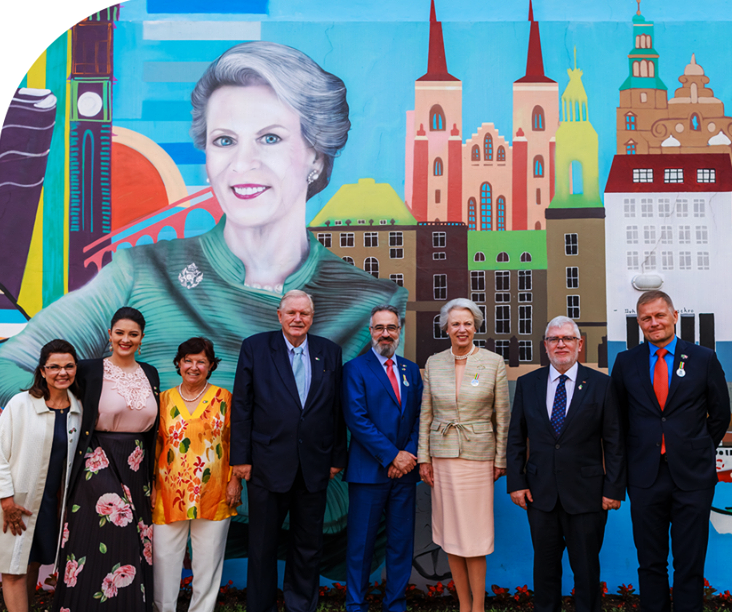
(312, 177)
(208, 180)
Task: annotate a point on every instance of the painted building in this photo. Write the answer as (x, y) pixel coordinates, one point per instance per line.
(692, 121)
(508, 281)
(669, 216)
(575, 226)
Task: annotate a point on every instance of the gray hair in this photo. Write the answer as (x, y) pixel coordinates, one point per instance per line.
(561, 321)
(461, 303)
(318, 97)
(296, 293)
(386, 308)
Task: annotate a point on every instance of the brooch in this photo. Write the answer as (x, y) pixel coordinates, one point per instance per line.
(404, 381)
(681, 372)
(475, 382)
(190, 276)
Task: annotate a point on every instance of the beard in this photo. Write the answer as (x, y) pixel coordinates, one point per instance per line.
(385, 350)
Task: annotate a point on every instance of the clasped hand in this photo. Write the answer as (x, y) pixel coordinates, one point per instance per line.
(402, 464)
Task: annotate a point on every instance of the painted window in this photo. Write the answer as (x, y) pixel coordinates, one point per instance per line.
(684, 234)
(636, 69)
(631, 234)
(573, 306)
(682, 207)
(651, 69)
(673, 175)
(571, 244)
(488, 148)
(702, 234)
(475, 154)
(702, 260)
(503, 348)
(349, 260)
(649, 260)
(371, 265)
(479, 256)
(538, 201)
(685, 260)
(525, 320)
(438, 167)
(397, 278)
(501, 211)
(630, 148)
(439, 286)
(437, 118)
(664, 207)
(667, 260)
(572, 277)
(347, 240)
(439, 240)
(525, 298)
(706, 175)
(439, 255)
(525, 257)
(667, 234)
(502, 257)
(633, 260)
(649, 234)
(326, 240)
(537, 119)
(644, 68)
(642, 175)
(694, 122)
(503, 280)
(477, 297)
(577, 177)
(525, 280)
(471, 214)
(699, 207)
(501, 154)
(477, 280)
(526, 350)
(371, 239)
(501, 298)
(503, 319)
(646, 207)
(437, 196)
(629, 207)
(538, 166)
(486, 206)
(396, 244)
(437, 332)
(482, 328)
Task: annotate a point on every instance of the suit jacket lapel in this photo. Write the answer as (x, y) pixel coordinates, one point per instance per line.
(380, 374)
(541, 387)
(578, 397)
(675, 379)
(644, 373)
(282, 365)
(401, 373)
(316, 370)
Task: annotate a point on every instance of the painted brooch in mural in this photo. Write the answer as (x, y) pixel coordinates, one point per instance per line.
(190, 276)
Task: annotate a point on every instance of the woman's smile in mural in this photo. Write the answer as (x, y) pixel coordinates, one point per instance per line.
(256, 158)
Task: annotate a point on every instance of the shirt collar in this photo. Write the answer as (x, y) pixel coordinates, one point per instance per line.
(382, 359)
(670, 347)
(291, 347)
(571, 373)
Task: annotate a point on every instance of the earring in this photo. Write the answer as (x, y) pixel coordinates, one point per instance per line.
(312, 177)
(208, 180)
(139, 349)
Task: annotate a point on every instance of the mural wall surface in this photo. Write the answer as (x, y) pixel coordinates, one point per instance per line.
(540, 160)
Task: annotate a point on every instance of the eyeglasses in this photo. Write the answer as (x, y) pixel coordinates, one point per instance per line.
(557, 339)
(55, 369)
(379, 329)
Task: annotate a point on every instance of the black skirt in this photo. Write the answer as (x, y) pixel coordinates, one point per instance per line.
(106, 558)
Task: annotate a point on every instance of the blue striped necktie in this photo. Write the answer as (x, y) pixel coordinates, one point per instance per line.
(298, 369)
(559, 408)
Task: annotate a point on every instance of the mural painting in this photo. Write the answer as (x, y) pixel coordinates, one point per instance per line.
(553, 175)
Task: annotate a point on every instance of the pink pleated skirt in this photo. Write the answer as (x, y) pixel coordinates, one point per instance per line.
(462, 506)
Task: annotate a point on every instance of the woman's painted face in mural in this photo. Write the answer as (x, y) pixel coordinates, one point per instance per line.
(256, 158)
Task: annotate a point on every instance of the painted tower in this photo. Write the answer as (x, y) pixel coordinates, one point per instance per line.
(575, 226)
(535, 121)
(90, 209)
(436, 134)
(643, 96)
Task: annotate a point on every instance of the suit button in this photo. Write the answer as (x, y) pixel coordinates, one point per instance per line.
(86, 433)
(300, 441)
(658, 444)
(80, 452)
(557, 446)
(663, 419)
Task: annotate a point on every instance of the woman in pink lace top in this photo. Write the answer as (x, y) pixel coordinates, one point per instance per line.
(106, 553)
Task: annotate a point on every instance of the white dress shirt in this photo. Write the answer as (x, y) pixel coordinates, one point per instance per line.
(553, 383)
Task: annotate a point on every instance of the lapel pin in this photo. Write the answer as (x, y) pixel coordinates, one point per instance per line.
(475, 382)
(684, 356)
(404, 380)
(579, 388)
(681, 372)
(317, 359)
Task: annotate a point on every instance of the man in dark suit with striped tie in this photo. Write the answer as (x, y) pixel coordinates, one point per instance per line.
(565, 466)
(675, 406)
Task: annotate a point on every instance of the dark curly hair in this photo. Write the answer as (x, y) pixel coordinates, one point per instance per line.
(196, 345)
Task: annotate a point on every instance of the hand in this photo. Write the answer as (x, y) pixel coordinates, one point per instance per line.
(13, 516)
(233, 492)
(404, 462)
(498, 472)
(520, 498)
(610, 504)
(334, 471)
(426, 473)
(242, 471)
(394, 472)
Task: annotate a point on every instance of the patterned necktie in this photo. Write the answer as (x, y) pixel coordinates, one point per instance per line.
(393, 379)
(660, 385)
(559, 408)
(298, 369)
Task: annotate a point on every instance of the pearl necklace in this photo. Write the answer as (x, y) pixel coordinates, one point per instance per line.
(185, 399)
(461, 357)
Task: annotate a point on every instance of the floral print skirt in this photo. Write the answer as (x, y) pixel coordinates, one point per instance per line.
(105, 561)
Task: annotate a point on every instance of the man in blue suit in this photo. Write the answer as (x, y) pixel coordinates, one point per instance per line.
(288, 439)
(382, 394)
(675, 405)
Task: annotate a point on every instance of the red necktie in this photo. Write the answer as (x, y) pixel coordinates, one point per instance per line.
(660, 385)
(393, 379)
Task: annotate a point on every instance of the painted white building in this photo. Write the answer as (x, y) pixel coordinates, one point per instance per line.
(669, 227)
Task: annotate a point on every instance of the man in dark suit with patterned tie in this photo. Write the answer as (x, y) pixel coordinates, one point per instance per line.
(565, 466)
(675, 405)
(288, 439)
(382, 395)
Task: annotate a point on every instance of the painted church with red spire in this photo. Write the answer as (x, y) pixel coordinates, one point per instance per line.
(485, 182)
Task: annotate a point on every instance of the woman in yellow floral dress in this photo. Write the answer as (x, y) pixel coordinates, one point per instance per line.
(194, 493)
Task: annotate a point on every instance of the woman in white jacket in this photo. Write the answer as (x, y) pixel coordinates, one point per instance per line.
(38, 436)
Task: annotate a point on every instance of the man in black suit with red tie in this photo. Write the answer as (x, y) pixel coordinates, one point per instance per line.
(675, 405)
(288, 439)
(565, 466)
